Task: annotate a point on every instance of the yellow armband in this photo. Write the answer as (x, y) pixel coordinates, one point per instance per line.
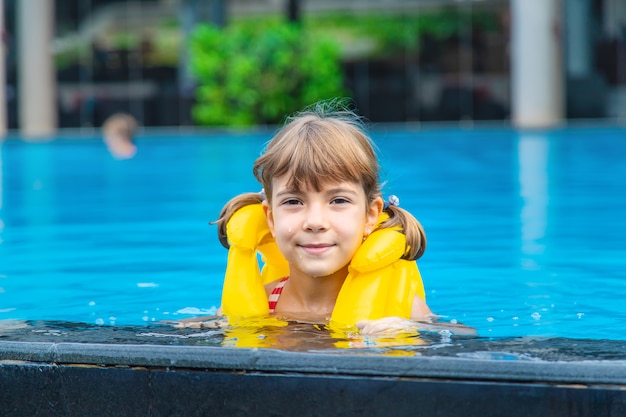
(244, 294)
(379, 283)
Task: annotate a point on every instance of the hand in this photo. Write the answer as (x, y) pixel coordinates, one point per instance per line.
(211, 322)
(387, 326)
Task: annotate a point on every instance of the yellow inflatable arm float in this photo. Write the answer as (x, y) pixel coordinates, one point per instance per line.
(244, 294)
(379, 283)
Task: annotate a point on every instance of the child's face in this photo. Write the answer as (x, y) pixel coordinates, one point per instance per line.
(318, 232)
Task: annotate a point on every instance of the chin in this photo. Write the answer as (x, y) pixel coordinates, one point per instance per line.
(321, 274)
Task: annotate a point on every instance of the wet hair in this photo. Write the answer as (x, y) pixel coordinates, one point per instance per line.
(120, 124)
(325, 143)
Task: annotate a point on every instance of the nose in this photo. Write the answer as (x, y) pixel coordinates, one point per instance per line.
(316, 219)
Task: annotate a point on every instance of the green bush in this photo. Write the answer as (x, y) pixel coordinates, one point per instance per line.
(253, 72)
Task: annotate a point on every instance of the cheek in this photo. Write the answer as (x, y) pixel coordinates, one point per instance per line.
(352, 227)
(283, 227)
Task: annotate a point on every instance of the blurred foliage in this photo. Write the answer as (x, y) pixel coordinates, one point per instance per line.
(258, 71)
(71, 56)
(388, 34)
(165, 42)
(359, 35)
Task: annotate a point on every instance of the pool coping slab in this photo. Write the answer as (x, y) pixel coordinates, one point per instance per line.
(264, 360)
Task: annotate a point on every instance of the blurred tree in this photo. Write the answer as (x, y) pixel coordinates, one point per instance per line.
(253, 72)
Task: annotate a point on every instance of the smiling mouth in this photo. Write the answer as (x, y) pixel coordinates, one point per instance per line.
(316, 249)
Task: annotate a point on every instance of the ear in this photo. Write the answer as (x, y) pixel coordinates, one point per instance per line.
(373, 212)
(269, 215)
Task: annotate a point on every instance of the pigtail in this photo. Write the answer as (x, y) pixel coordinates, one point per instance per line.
(415, 235)
(229, 209)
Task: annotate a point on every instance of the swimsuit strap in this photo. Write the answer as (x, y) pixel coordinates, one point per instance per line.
(276, 292)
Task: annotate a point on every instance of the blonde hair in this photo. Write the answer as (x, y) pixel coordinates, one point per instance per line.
(325, 143)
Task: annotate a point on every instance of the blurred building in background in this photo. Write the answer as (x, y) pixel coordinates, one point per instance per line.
(402, 60)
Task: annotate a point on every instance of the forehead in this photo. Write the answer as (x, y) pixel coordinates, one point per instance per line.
(286, 183)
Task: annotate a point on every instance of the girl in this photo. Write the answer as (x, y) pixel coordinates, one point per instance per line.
(342, 253)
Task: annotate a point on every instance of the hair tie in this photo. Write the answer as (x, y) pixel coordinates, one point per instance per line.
(262, 194)
(393, 200)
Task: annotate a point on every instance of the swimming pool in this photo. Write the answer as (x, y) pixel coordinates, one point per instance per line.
(526, 231)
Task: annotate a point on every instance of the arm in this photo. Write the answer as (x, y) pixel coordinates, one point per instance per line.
(422, 319)
(420, 311)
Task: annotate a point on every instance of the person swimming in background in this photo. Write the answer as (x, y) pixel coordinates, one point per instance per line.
(322, 202)
(118, 132)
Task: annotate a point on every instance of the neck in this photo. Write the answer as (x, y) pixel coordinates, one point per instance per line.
(316, 295)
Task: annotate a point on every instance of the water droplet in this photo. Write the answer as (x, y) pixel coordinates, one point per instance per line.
(490, 319)
(535, 315)
(99, 322)
(92, 303)
(580, 315)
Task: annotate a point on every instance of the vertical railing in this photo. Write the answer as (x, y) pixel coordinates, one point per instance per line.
(3, 84)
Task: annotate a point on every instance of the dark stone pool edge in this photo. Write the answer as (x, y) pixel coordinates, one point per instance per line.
(108, 379)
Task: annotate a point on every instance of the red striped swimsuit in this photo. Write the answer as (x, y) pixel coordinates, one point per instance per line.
(276, 292)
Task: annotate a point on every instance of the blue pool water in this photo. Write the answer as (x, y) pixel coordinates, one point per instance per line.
(526, 231)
